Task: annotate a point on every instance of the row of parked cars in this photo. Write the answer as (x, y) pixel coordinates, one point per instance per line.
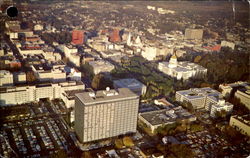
(45, 138)
(32, 140)
(19, 140)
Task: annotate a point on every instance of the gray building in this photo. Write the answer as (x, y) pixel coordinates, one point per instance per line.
(106, 113)
(132, 84)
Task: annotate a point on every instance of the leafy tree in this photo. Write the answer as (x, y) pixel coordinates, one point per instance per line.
(86, 154)
(87, 70)
(197, 59)
(59, 154)
(30, 76)
(128, 142)
(196, 127)
(118, 143)
(181, 150)
(233, 136)
(99, 82)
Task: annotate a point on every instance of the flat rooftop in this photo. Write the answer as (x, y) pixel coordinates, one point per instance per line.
(244, 119)
(102, 96)
(128, 83)
(199, 92)
(166, 115)
(71, 93)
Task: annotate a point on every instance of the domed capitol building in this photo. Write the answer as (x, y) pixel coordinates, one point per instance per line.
(182, 70)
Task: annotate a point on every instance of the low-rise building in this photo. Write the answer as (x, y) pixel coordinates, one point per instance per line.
(160, 118)
(75, 75)
(182, 70)
(6, 78)
(244, 95)
(204, 98)
(132, 84)
(67, 49)
(149, 53)
(241, 123)
(56, 74)
(101, 66)
(227, 88)
(227, 44)
(68, 98)
(28, 93)
(20, 77)
(194, 34)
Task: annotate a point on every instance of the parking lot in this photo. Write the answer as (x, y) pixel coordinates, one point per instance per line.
(205, 144)
(40, 132)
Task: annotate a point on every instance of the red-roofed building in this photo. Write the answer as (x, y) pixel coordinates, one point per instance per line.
(214, 48)
(78, 37)
(115, 36)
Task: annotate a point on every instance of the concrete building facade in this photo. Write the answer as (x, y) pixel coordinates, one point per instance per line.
(193, 34)
(105, 114)
(101, 66)
(204, 98)
(29, 93)
(132, 84)
(241, 123)
(6, 78)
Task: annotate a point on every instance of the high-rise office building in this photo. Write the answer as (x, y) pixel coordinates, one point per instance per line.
(106, 113)
(78, 37)
(115, 36)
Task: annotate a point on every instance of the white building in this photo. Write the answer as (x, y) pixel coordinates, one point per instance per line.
(181, 70)
(149, 53)
(75, 75)
(31, 51)
(204, 98)
(244, 95)
(241, 123)
(159, 118)
(228, 44)
(56, 74)
(67, 49)
(242, 91)
(52, 56)
(24, 94)
(6, 78)
(75, 58)
(38, 27)
(20, 77)
(132, 84)
(221, 105)
(101, 66)
(227, 88)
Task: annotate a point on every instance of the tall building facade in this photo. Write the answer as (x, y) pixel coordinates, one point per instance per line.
(78, 37)
(105, 114)
(115, 36)
(193, 34)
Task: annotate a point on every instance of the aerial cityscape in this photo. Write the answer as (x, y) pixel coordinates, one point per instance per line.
(124, 79)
